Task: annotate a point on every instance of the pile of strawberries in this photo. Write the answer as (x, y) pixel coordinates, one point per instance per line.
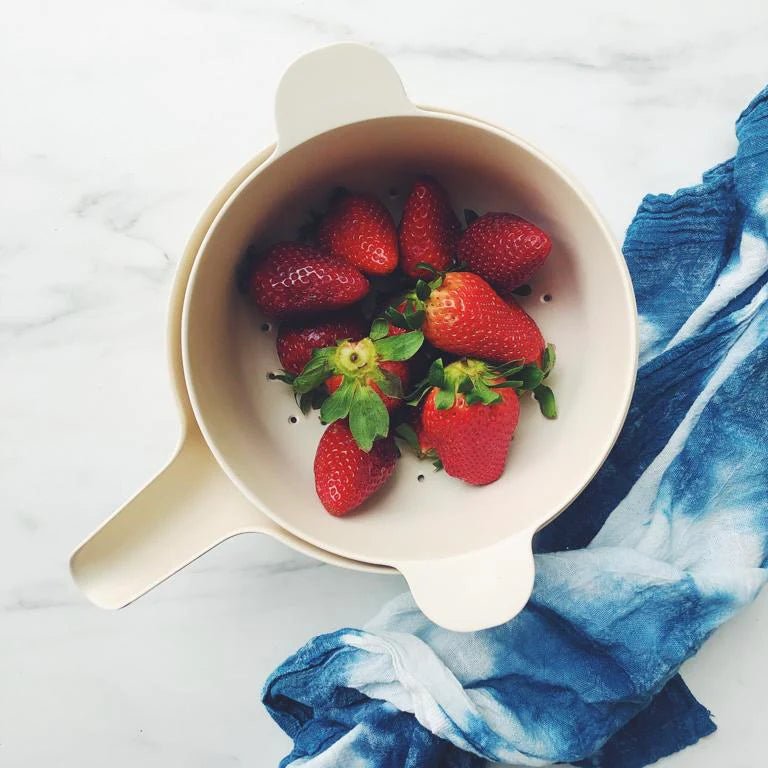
(410, 331)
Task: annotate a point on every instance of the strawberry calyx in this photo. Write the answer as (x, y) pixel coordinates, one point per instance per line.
(474, 380)
(410, 312)
(544, 395)
(358, 363)
(477, 382)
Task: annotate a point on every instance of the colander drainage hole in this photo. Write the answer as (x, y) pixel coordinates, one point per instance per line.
(293, 419)
(266, 327)
(271, 375)
(419, 478)
(546, 298)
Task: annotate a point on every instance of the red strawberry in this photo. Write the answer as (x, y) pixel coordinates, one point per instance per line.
(346, 476)
(425, 444)
(395, 367)
(469, 424)
(465, 316)
(504, 249)
(428, 230)
(293, 279)
(297, 339)
(360, 229)
(412, 431)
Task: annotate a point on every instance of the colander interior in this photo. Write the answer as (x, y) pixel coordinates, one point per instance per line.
(581, 299)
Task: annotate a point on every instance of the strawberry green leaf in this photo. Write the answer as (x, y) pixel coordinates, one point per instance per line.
(414, 317)
(415, 397)
(311, 400)
(482, 394)
(436, 374)
(509, 371)
(318, 396)
(422, 290)
(288, 378)
(531, 376)
(315, 372)
(509, 384)
(438, 465)
(522, 290)
(368, 418)
(414, 400)
(427, 268)
(401, 347)
(338, 404)
(509, 368)
(546, 399)
(470, 216)
(489, 397)
(396, 318)
(548, 359)
(444, 399)
(408, 433)
(390, 384)
(465, 385)
(379, 329)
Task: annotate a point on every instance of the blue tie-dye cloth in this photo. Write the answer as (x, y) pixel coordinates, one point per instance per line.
(667, 542)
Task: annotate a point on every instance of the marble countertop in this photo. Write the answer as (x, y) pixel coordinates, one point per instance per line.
(119, 122)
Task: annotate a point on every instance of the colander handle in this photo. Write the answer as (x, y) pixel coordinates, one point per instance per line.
(475, 591)
(334, 86)
(190, 507)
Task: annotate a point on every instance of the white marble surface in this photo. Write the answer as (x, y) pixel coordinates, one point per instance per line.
(118, 122)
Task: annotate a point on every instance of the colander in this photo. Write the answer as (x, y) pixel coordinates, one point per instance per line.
(343, 119)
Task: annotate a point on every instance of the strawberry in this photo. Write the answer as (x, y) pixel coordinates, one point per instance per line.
(366, 379)
(469, 420)
(504, 249)
(346, 476)
(360, 229)
(388, 368)
(298, 339)
(412, 432)
(428, 229)
(294, 279)
(464, 315)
